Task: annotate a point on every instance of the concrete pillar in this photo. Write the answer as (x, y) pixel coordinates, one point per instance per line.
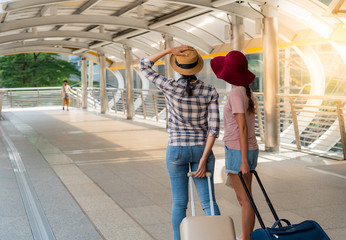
(84, 83)
(103, 90)
(129, 82)
(91, 74)
(237, 38)
(169, 43)
(271, 76)
(238, 34)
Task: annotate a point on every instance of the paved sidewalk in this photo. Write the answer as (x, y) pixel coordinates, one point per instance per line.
(103, 177)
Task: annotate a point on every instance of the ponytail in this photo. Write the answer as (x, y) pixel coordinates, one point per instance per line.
(188, 79)
(251, 108)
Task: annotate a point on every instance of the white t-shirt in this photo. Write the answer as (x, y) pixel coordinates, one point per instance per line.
(65, 90)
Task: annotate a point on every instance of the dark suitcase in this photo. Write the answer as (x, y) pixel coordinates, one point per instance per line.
(206, 227)
(303, 231)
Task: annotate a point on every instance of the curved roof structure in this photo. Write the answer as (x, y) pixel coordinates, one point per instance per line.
(89, 27)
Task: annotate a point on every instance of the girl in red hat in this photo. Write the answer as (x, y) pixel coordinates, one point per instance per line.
(241, 149)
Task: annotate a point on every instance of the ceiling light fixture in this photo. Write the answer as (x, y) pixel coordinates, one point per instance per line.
(140, 11)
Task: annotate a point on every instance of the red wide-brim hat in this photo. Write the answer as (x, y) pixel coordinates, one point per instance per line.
(233, 68)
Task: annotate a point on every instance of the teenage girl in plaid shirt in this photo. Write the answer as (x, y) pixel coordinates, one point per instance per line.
(193, 114)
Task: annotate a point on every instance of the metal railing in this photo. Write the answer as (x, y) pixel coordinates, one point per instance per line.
(309, 122)
(37, 97)
(31, 97)
(317, 122)
(149, 104)
(2, 93)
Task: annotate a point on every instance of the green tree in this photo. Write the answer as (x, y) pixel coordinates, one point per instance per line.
(35, 70)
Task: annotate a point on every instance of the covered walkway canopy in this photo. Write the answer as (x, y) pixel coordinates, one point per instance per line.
(88, 28)
(116, 33)
(102, 26)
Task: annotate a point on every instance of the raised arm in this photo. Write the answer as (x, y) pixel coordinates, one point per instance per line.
(145, 66)
(178, 51)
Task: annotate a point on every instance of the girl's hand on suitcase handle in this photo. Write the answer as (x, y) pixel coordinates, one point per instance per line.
(244, 168)
(202, 169)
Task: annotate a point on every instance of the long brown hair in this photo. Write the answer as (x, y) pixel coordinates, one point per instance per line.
(251, 108)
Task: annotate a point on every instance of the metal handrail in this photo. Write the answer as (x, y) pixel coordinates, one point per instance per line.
(2, 93)
(307, 96)
(30, 89)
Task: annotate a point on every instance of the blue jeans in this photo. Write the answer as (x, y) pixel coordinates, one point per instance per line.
(178, 160)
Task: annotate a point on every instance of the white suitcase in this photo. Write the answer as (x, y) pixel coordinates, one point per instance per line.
(206, 227)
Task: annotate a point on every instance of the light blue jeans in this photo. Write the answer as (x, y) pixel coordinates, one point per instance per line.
(178, 160)
(233, 160)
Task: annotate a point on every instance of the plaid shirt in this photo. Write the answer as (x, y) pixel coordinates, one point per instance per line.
(191, 119)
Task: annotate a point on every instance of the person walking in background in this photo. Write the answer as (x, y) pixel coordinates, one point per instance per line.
(193, 115)
(241, 149)
(65, 94)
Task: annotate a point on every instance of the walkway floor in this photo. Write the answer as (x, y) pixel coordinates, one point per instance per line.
(102, 177)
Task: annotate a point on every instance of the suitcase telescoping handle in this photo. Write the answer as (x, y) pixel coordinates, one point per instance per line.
(240, 174)
(193, 210)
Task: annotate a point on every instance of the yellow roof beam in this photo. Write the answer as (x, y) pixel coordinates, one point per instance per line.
(302, 38)
(257, 49)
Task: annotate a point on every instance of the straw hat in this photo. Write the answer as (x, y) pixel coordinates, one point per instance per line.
(187, 65)
(233, 68)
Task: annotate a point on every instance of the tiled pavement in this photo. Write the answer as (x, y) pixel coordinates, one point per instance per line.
(102, 177)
